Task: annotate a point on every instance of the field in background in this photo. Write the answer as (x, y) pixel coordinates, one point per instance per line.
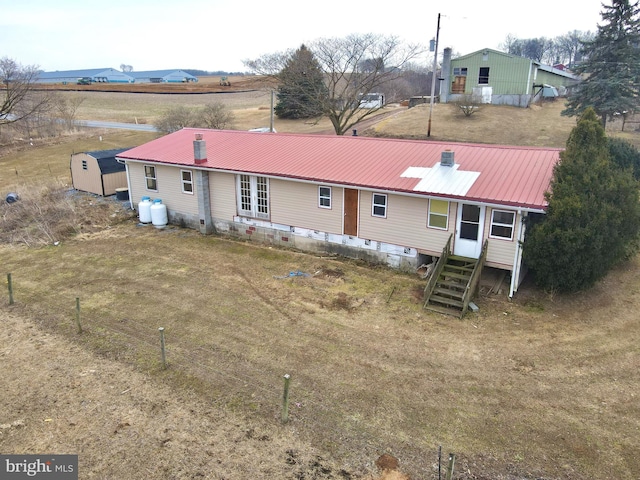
(539, 125)
(542, 386)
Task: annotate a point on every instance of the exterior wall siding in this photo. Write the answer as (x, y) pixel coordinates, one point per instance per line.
(553, 79)
(223, 195)
(405, 224)
(507, 75)
(89, 180)
(137, 186)
(169, 190)
(500, 252)
(111, 181)
(401, 239)
(296, 204)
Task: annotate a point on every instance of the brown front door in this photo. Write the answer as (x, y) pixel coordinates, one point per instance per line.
(459, 84)
(350, 212)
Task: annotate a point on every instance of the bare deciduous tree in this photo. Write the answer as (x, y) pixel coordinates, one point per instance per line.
(215, 115)
(20, 100)
(212, 115)
(570, 46)
(67, 109)
(353, 66)
(176, 118)
(563, 49)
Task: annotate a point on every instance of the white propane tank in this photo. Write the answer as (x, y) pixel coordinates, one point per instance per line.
(144, 210)
(159, 214)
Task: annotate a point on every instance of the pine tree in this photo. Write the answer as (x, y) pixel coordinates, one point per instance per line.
(302, 91)
(625, 155)
(593, 215)
(611, 69)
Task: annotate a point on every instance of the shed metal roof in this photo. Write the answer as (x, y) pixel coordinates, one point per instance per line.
(492, 174)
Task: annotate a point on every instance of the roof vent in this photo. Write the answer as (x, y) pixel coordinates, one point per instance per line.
(199, 149)
(446, 159)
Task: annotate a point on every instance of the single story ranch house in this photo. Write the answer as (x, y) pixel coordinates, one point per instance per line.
(384, 200)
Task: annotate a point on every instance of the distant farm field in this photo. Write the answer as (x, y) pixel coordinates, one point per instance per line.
(542, 386)
(250, 103)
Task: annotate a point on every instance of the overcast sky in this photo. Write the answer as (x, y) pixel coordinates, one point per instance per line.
(218, 35)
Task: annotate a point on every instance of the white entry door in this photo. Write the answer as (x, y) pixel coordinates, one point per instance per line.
(469, 229)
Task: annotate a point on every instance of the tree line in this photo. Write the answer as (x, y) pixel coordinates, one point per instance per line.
(567, 49)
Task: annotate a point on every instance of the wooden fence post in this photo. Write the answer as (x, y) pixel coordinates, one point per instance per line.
(285, 399)
(10, 286)
(162, 351)
(78, 315)
(452, 462)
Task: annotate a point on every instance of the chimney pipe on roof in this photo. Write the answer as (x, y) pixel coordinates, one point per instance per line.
(446, 158)
(199, 149)
(355, 133)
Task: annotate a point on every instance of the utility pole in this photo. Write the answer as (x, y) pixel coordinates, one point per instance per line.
(433, 77)
(271, 115)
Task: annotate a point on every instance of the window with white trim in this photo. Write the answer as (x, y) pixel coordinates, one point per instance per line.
(460, 71)
(324, 197)
(253, 196)
(186, 177)
(379, 205)
(502, 224)
(150, 177)
(438, 214)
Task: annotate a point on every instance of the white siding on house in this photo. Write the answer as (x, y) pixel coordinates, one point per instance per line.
(405, 224)
(169, 184)
(170, 191)
(222, 194)
(136, 178)
(296, 204)
(500, 252)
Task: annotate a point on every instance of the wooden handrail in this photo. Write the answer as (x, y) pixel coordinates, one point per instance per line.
(475, 278)
(431, 284)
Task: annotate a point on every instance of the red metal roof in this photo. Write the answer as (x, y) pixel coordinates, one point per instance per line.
(494, 174)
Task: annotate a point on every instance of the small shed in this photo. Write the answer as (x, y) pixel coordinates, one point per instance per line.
(98, 172)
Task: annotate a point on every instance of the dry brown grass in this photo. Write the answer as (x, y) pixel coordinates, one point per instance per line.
(535, 126)
(538, 387)
(49, 213)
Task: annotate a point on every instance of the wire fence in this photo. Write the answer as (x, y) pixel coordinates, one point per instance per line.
(230, 379)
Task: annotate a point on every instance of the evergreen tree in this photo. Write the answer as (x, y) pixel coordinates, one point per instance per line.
(625, 155)
(593, 215)
(302, 90)
(611, 69)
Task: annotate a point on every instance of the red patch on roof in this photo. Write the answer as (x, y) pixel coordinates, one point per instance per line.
(507, 175)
